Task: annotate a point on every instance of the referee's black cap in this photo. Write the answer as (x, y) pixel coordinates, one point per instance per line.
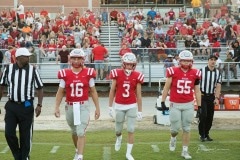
(212, 56)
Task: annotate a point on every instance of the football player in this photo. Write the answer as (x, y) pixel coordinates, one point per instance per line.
(76, 82)
(181, 81)
(126, 93)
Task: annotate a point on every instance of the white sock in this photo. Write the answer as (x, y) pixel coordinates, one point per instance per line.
(80, 156)
(119, 138)
(76, 150)
(173, 138)
(185, 148)
(129, 148)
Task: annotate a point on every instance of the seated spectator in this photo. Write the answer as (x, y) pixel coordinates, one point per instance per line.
(216, 46)
(183, 32)
(51, 50)
(138, 27)
(136, 47)
(195, 47)
(230, 67)
(28, 40)
(171, 45)
(166, 19)
(124, 50)
(158, 32)
(161, 50)
(157, 19)
(204, 46)
(182, 14)
(150, 32)
(170, 32)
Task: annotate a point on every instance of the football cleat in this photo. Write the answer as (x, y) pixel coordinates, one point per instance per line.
(185, 155)
(118, 143)
(172, 144)
(129, 157)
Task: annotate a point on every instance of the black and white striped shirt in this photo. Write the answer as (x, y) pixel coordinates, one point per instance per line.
(209, 80)
(21, 82)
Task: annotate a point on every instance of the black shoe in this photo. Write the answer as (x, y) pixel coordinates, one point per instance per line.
(202, 139)
(208, 138)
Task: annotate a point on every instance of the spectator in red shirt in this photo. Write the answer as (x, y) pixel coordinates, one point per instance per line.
(113, 15)
(182, 14)
(171, 14)
(98, 54)
(124, 50)
(171, 45)
(44, 13)
(207, 6)
(224, 9)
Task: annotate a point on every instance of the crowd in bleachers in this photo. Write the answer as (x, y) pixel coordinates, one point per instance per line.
(152, 39)
(205, 38)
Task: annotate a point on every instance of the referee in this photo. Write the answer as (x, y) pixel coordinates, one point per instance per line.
(210, 86)
(21, 79)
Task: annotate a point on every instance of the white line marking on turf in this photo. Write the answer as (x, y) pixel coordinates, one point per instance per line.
(5, 150)
(54, 149)
(106, 153)
(203, 148)
(139, 143)
(155, 148)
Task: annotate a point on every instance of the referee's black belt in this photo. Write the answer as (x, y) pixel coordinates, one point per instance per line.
(207, 94)
(18, 101)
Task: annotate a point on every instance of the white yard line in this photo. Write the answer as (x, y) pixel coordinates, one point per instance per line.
(5, 150)
(106, 153)
(54, 149)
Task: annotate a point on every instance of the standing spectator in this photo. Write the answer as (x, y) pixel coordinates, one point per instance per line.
(1, 61)
(168, 62)
(63, 56)
(77, 82)
(105, 16)
(229, 67)
(210, 86)
(98, 54)
(20, 11)
(224, 9)
(236, 48)
(181, 99)
(171, 14)
(88, 55)
(207, 6)
(152, 13)
(21, 78)
(196, 4)
(126, 93)
(113, 15)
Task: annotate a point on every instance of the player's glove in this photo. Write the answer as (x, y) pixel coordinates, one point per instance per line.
(110, 112)
(139, 116)
(199, 112)
(163, 106)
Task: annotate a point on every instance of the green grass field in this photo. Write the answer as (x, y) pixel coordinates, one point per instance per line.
(149, 145)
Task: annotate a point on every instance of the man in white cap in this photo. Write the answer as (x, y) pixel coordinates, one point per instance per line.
(21, 79)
